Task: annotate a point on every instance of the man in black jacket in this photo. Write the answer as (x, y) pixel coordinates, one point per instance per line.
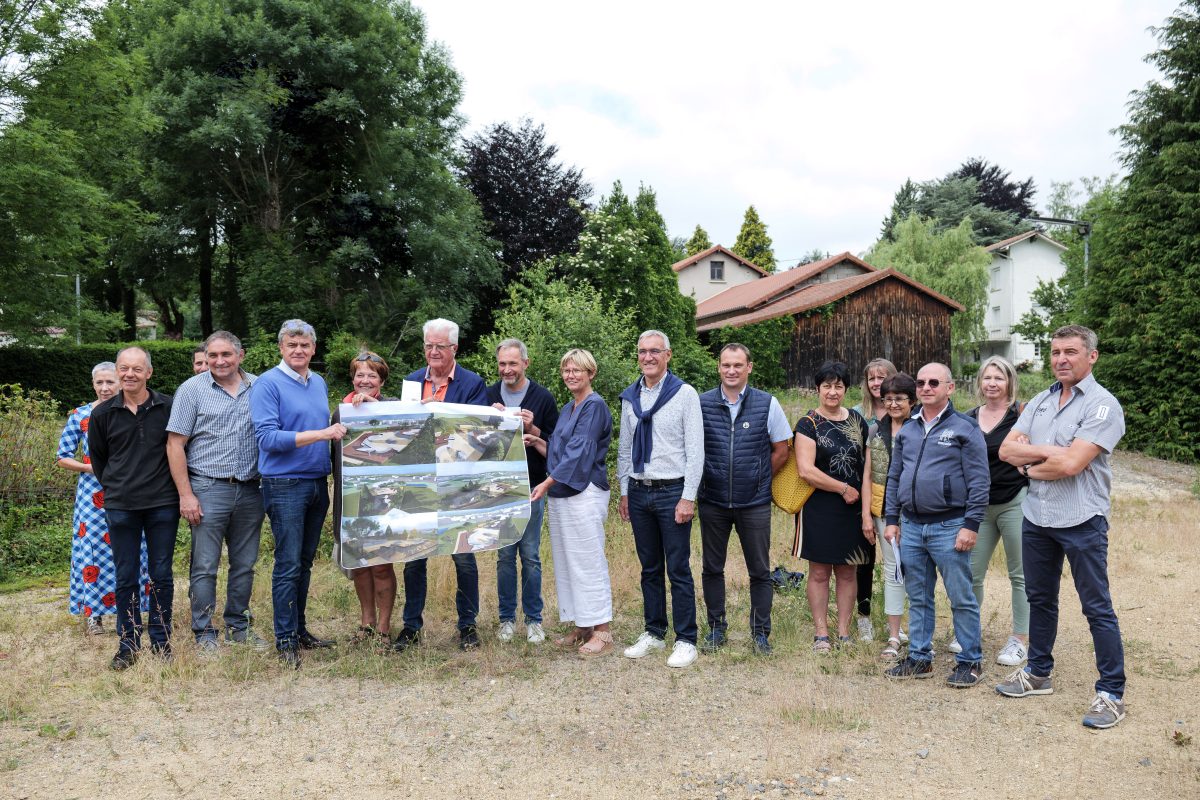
(539, 415)
(745, 443)
(127, 438)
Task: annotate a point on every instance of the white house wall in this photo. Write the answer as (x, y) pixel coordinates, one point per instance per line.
(694, 280)
(1013, 276)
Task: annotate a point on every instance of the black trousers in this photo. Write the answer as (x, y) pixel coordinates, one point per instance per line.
(754, 531)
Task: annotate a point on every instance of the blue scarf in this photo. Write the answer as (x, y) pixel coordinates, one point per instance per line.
(643, 441)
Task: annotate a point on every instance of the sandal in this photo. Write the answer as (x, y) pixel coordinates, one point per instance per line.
(574, 638)
(891, 652)
(364, 634)
(845, 641)
(821, 644)
(600, 643)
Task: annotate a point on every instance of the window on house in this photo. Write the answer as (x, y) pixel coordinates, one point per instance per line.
(995, 279)
(716, 270)
(1037, 349)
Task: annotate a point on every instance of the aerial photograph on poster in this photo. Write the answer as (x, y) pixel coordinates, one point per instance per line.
(472, 437)
(388, 440)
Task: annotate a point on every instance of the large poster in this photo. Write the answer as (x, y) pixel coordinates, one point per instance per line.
(427, 479)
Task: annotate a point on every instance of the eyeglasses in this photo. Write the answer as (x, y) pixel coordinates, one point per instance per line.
(441, 348)
(574, 371)
(895, 401)
(652, 351)
(368, 357)
(933, 383)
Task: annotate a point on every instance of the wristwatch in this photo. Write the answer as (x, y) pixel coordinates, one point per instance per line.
(1025, 470)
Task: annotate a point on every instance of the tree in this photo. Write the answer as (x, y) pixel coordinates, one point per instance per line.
(903, 205)
(994, 189)
(1143, 295)
(32, 32)
(1051, 310)
(698, 243)
(753, 243)
(949, 262)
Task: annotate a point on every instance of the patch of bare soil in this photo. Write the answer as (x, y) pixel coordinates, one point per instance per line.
(523, 721)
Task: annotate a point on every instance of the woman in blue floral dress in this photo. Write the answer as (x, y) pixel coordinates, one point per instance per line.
(93, 575)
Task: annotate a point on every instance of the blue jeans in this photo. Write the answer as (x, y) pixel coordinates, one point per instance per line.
(296, 507)
(125, 530)
(1086, 548)
(531, 571)
(233, 516)
(466, 599)
(925, 550)
(663, 543)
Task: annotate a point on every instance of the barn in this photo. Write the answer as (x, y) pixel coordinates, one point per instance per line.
(843, 309)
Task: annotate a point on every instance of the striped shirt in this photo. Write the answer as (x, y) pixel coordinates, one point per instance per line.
(1091, 414)
(678, 440)
(220, 434)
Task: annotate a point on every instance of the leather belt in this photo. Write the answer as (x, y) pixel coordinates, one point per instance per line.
(650, 483)
(230, 479)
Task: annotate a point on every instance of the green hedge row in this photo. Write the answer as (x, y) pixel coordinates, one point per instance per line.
(66, 372)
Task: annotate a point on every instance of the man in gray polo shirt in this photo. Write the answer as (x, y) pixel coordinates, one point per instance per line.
(660, 461)
(214, 463)
(1062, 443)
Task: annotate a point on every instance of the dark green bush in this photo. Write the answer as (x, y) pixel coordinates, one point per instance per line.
(35, 539)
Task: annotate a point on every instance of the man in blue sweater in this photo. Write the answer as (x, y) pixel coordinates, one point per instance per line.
(289, 406)
(937, 494)
(443, 380)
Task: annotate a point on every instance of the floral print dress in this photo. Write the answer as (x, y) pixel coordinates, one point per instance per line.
(833, 528)
(93, 574)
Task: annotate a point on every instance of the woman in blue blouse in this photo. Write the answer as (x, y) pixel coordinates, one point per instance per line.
(577, 485)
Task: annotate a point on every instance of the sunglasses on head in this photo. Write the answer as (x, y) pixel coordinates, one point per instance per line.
(932, 382)
(368, 357)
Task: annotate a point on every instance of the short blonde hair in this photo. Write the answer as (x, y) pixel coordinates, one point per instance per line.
(1010, 374)
(580, 359)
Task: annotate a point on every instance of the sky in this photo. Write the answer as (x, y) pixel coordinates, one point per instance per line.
(813, 113)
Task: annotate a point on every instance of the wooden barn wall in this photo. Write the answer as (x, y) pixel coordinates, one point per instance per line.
(888, 319)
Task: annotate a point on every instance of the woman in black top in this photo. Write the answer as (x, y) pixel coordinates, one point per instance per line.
(996, 385)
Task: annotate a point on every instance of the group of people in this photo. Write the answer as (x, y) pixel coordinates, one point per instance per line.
(935, 489)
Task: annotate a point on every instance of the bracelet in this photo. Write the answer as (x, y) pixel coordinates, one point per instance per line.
(845, 489)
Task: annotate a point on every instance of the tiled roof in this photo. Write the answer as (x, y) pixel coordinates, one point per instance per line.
(751, 295)
(679, 266)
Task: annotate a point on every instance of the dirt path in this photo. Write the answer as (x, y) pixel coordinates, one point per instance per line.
(517, 721)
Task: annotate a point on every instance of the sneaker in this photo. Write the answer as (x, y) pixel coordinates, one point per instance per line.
(645, 643)
(289, 656)
(93, 626)
(684, 655)
(910, 668)
(1021, 683)
(760, 646)
(207, 648)
(1013, 654)
(535, 633)
(468, 638)
(507, 629)
(123, 660)
(405, 639)
(954, 646)
(965, 675)
(247, 637)
(1106, 711)
(713, 641)
(903, 637)
(866, 631)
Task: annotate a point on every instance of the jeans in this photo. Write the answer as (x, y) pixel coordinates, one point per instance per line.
(1086, 548)
(233, 516)
(531, 571)
(754, 531)
(1003, 521)
(159, 525)
(663, 543)
(296, 507)
(925, 550)
(466, 598)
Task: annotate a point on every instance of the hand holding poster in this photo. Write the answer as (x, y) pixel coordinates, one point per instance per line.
(425, 479)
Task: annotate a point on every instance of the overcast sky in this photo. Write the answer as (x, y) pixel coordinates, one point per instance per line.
(813, 113)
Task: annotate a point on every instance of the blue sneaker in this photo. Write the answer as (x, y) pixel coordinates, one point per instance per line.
(761, 646)
(713, 641)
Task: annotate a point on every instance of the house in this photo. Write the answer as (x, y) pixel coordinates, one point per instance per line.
(1017, 264)
(714, 270)
(842, 309)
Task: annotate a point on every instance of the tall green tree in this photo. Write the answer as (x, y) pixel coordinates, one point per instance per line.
(753, 243)
(983, 192)
(698, 243)
(946, 261)
(1143, 298)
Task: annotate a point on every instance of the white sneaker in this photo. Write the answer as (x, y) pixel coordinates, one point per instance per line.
(535, 633)
(507, 629)
(866, 631)
(1013, 654)
(684, 655)
(954, 646)
(903, 637)
(645, 643)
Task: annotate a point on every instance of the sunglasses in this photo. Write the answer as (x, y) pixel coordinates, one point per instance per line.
(932, 382)
(368, 357)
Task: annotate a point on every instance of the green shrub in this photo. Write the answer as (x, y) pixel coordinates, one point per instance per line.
(35, 539)
(30, 425)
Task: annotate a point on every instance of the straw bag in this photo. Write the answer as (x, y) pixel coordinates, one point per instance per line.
(788, 490)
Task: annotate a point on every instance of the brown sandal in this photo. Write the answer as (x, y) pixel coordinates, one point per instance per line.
(574, 638)
(600, 643)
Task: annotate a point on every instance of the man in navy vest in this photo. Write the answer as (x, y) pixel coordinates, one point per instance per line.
(745, 443)
(444, 380)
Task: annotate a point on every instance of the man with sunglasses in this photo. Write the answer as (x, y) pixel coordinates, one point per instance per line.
(443, 380)
(1062, 443)
(937, 495)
